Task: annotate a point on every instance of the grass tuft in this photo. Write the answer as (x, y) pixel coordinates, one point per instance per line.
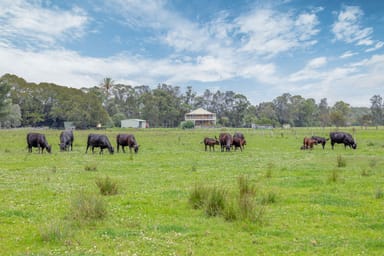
(107, 186)
(341, 162)
(379, 193)
(87, 207)
(90, 168)
(198, 196)
(216, 202)
(334, 177)
(54, 232)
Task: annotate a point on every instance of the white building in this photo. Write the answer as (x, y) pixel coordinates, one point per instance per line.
(134, 123)
(201, 118)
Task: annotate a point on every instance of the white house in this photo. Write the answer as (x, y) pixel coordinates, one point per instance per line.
(134, 123)
(201, 118)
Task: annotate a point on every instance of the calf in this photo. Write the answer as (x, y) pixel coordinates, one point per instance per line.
(211, 143)
(320, 140)
(127, 140)
(308, 143)
(39, 141)
(66, 140)
(239, 135)
(99, 141)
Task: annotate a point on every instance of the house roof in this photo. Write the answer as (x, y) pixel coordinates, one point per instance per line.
(199, 111)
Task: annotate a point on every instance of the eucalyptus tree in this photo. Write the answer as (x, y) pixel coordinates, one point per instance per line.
(377, 109)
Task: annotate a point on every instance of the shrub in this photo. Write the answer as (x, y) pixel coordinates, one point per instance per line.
(107, 186)
(88, 207)
(187, 125)
(341, 162)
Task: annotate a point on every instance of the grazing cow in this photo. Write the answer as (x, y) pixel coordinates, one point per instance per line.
(127, 140)
(342, 138)
(242, 139)
(39, 141)
(225, 141)
(238, 143)
(308, 143)
(211, 143)
(99, 141)
(320, 140)
(66, 140)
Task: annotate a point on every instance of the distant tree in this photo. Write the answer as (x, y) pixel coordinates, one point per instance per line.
(339, 113)
(377, 109)
(323, 113)
(107, 84)
(282, 105)
(5, 102)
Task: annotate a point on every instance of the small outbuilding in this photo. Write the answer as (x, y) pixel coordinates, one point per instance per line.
(201, 118)
(134, 123)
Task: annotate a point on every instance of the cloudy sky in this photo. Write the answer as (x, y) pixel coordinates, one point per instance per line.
(261, 49)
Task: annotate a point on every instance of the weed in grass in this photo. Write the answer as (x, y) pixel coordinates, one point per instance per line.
(216, 202)
(370, 144)
(230, 212)
(87, 207)
(198, 196)
(90, 168)
(373, 163)
(365, 172)
(107, 186)
(54, 232)
(269, 198)
(245, 187)
(341, 162)
(194, 167)
(379, 193)
(334, 177)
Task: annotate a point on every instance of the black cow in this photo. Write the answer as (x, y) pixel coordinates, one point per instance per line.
(225, 141)
(211, 143)
(127, 140)
(39, 141)
(320, 140)
(99, 141)
(66, 140)
(342, 138)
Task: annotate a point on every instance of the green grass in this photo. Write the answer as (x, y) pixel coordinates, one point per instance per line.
(310, 204)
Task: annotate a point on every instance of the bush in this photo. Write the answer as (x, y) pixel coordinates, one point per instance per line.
(107, 186)
(187, 125)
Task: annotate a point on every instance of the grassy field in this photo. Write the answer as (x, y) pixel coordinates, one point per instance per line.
(318, 202)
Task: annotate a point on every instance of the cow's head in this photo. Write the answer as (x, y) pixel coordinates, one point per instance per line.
(136, 148)
(354, 145)
(62, 146)
(49, 148)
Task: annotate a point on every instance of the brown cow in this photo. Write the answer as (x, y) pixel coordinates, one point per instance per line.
(127, 140)
(210, 142)
(242, 141)
(238, 143)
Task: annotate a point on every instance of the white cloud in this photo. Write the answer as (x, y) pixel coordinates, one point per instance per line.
(269, 32)
(347, 27)
(28, 23)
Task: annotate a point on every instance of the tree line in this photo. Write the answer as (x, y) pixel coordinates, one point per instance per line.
(46, 104)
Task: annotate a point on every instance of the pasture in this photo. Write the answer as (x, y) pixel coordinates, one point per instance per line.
(309, 202)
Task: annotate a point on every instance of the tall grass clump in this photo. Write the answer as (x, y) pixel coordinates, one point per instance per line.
(198, 196)
(87, 207)
(248, 207)
(341, 162)
(107, 186)
(54, 232)
(216, 202)
(379, 193)
(334, 176)
(90, 168)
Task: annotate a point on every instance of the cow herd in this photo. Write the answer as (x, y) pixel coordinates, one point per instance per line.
(335, 137)
(38, 140)
(225, 140)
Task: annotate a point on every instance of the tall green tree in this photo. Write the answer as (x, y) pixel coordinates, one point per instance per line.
(5, 102)
(377, 109)
(339, 113)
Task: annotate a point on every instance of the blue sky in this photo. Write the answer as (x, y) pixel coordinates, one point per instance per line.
(261, 49)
